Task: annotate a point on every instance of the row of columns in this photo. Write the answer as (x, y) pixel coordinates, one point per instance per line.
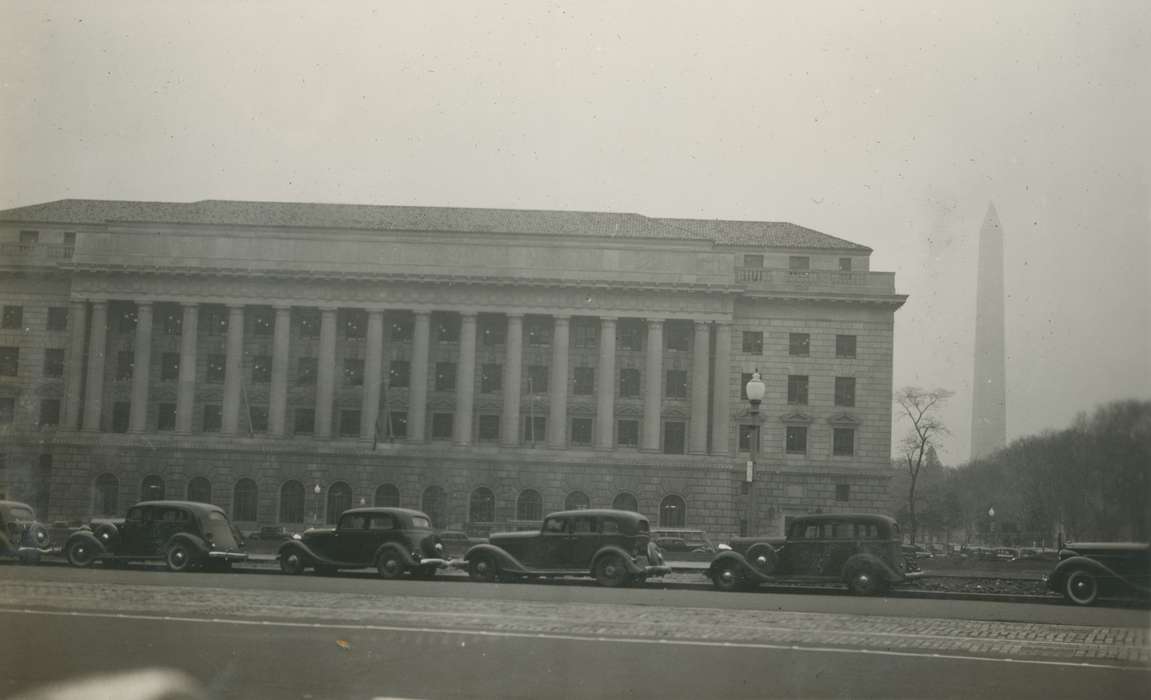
(701, 368)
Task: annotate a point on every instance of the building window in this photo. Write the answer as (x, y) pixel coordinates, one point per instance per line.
(215, 371)
(354, 322)
(625, 501)
(673, 437)
(349, 423)
(797, 389)
(845, 391)
(57, 318)
(200, 490)
(172, 321)
(304, 421)
(125, 363)
(845, 264)
(261, 369)
(166, 416)
(585, 333)
(434, 504)
(9, 362)
(442, 426)
(753, 342)
(292, 502)
(489, 428)
(398, 425)
(169, 367)
(577, 500)
(539, 332)
(126, 319)
(676, 386)
(796, 440)
(843, 442)
(213, 418)
(152, 488)
(629, 383)
(244, 501)
(581, 431)
(482, 507)
(799, 344)
(7, 410)
(399, 374)
(29, 237)
(672, 512)
(677, 335)
(308, 322)
(753, 261)
(491, 378)
(306, 370)
(447, 328)
(627, 433)
(529, 505)
(400, 330)
(748, 436)
(258, 419)
(121, 410)
(584, 381)
(843, 492)
(492, 331)
(107, 495)
(535, 428)
(629, 334)
(445, 376)
(339, 500)
(263, 321)
(798, 264)
(54, 362)
(215, 320)
(387, 496)
(353, 371)
(845, 346)
(49, 413)
(13, 318)
(537, 379)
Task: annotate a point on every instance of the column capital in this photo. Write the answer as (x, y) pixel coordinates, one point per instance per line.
(189, 304)
(282, 307)
(608, 319)
(234, 307)
(565, 318)
(468, 314)
(102, 301)
(514, 314)
(655, 321)
(724, 322)
(140, 303)
(328, 309)
(701, 324)
(422, 312)
(381, 310)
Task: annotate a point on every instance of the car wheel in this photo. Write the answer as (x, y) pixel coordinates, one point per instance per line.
(865, 582)
(728, 577)
(389, 565)
(292, 563)
(611, 571)
(763, 558)
(1081, 587)
(179, 557)
(81, 554)
(484, 568)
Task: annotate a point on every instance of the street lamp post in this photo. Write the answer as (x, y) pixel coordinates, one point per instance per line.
(755, 390)
(316, 504)
(991, 517)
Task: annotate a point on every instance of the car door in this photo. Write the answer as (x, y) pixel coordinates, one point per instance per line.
(382, 528)
(550, 549)
(584, 540)
(134, 533)
(162, 524)
(351, 539)
(799, 555)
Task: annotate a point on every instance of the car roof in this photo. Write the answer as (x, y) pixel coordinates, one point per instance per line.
(189, 505)
(385, 510)
(8, 505)
(858, 517)
(598, 513)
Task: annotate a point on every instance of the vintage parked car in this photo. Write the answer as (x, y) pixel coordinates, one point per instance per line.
(860, 550)
(915, 551)
(394, 541)
(613, 546)
(185, 535)
(457, 543)
(1088, 570)
(21, 535)
(681, 544)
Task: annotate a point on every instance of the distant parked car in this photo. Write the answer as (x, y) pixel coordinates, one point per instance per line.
(860, 550)
(271, 533)
(183, 534)
(22, 536)
(393, 541)
(1088, 570)
(916, 551)
(457, 543)
(682, 544)
(612, 546)
(1006, 553)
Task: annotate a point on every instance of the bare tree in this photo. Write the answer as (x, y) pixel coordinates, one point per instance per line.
(919, 407)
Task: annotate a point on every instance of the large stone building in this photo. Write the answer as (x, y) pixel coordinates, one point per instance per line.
(289, 360)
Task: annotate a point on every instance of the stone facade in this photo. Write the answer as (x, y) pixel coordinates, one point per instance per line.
(486, 366)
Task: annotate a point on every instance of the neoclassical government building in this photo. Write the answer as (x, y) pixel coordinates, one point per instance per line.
(287, 361)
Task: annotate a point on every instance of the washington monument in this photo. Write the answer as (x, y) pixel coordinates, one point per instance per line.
(989, 400)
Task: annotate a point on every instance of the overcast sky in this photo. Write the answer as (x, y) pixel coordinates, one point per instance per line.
(892, 124)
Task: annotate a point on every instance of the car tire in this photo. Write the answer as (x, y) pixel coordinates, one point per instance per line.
(866, 582)
(611, 571)
(179, 557)
(389, 565)
(292, 563)
(80, 554)
(1081, 587)
(484, 568)
(763, 558)
(729, 577)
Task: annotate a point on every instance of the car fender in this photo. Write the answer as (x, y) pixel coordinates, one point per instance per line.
(629, 562)
(753, 574)
(306, 553)
(1055, 578)
(865, 559)
(506, 561)
(405, 557)
(88, 537)
(198, 546)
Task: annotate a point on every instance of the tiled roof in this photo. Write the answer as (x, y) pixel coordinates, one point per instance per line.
(445, 219)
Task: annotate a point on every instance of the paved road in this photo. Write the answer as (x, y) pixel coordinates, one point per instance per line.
(252, 635)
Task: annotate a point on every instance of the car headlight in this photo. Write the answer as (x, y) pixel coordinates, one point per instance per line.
(439, 547)
(296, 536)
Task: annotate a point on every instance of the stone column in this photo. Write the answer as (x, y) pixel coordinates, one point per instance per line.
(233, 369)
(373, 372)
(465, 380)
(97, 348)
(605, 386)
(721, 392)
(513, 379)
(653, 391)
(326, 373)
(700, 359)
(278, 391)
(418, 380)
(186, 388)
(142, 359)
(73, 408)
(558, 411)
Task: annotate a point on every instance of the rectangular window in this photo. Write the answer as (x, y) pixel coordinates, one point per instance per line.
(581, 431)
(58, 318)
(169, 367)
(798, 263)
(442, 426)
(843, 492)
(537, 379)
(29, 237)
(258, 419)
(7, 410)
(54, 362)
(677, 335)
(492, 331)
(797, 389)
(796, 439)
(9, 362)
(748, 436)
(845, 264)
(799, 344)
(845, 391)
(353, 371)
(673, 437)
(676, 385)
(399, 424)
(584, 381)
(447, 328)
(121, 410)
(843, 442)
(753, 342)
(354, 322)
(13, 318)
(261, 369)
(489, 428)
(213, 418)
(125, 363)
(491, 378)
(215, 371)
(627, 433)
(49, 412)
(399, 373)
(306, 370)
(445, 376)
(535, 429)
(263, 321)
(629, 334)
(304, 421)
(308, 321)
(126, 320)
(349, 423)
(401, 330)
(845, 346)
(215, 320)
(629, 382)
(166, 416)
(753, 261)
(172, 321)
(585, 332)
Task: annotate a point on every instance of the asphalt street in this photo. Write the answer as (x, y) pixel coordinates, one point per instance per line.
(267, 635)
